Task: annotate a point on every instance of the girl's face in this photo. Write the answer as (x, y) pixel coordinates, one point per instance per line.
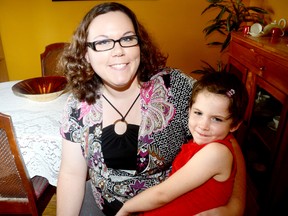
(116, 67)
(209, 119)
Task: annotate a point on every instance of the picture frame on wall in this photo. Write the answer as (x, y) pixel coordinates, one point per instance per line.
(74, 0)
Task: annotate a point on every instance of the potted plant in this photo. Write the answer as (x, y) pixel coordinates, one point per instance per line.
(233, 14)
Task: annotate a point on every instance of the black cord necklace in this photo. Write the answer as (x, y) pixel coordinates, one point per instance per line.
(120, 125)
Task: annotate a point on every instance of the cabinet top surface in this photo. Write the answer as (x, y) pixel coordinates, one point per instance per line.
(278, 46)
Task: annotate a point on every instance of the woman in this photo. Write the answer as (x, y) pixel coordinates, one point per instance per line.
(127, 115)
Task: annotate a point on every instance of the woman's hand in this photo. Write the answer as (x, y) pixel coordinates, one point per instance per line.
(219, 211)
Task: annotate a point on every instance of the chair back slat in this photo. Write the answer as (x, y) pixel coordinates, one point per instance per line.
(50, 59)
(10, 180)
(17, 194)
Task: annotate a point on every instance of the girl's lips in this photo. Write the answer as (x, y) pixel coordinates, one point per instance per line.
(201, 134)
(200, 138)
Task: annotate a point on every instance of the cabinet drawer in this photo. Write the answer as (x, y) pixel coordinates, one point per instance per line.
(265, 67)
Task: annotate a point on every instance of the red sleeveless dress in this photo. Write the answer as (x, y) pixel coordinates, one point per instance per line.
(209, 195)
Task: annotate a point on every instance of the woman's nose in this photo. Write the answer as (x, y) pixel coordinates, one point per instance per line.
(118, 50)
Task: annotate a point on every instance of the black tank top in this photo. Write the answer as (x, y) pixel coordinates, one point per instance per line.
(120, 151)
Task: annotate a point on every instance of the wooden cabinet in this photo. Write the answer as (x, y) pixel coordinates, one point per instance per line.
(262, 64)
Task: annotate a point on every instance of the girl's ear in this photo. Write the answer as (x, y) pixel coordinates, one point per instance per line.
(232, 129)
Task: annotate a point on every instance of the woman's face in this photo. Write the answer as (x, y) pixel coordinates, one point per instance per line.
(209, 118)
(116, 67)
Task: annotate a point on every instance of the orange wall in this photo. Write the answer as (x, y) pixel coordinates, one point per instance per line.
(279, 7)
(27, 26)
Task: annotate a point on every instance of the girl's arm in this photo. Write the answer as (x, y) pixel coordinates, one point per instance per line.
(236, 204)
(214, 160)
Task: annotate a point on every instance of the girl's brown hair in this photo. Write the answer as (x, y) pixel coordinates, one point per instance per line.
(228, 85)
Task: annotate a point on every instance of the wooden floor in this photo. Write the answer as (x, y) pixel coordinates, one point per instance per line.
(51, 208)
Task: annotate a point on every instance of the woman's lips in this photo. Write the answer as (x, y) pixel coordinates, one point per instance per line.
(119, 66)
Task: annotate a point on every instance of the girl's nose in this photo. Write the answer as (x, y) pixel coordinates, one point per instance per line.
(203, 123)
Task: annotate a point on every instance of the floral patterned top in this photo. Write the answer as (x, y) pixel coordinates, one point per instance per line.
(163, 129)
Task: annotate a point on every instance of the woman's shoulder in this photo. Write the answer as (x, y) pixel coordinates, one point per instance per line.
(174, 75)
(171, 71)
(73, 103)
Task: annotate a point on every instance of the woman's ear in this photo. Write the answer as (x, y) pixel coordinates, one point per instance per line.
(232, 129)
(87, 57)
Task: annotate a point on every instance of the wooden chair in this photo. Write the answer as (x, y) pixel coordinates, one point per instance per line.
(50, 59)
(18, 193)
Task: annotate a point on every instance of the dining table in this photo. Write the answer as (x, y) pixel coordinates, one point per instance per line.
(37, 128)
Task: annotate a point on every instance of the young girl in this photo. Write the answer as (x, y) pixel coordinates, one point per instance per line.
(203, 173)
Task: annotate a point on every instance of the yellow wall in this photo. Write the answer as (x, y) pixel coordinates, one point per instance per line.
(278, 8)
(27, 26)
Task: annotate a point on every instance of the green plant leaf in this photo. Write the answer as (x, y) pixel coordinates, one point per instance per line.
(220, 15)
(209, 29)
(215, 43)
(226, 42)
(228, 26)
(215, 1)
(207, 68)
(257, 9)
(208, 8)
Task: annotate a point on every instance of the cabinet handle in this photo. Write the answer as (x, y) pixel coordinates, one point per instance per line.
(252, 50)
(262, 68)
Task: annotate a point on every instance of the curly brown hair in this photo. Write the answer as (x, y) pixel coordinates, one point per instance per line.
(82, 79)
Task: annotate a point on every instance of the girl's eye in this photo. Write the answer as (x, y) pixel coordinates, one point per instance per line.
(197, 113)
(216, 119)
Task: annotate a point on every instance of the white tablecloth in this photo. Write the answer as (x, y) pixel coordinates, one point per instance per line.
(36, 126)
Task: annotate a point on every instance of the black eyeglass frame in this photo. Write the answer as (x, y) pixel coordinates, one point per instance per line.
(93, 44)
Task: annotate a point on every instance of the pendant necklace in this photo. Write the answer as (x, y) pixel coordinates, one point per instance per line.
(120, 125)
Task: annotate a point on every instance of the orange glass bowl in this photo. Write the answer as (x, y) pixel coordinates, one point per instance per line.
(41, 88)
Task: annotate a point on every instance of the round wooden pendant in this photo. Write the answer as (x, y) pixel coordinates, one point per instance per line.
(120, 126)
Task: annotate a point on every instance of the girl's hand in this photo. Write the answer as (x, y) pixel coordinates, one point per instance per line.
(122, 212)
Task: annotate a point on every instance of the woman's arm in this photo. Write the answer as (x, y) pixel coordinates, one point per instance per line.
(71, 179)
(236, 204)
(214, 160)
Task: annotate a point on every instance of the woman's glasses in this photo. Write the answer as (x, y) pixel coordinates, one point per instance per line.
(108, 44)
